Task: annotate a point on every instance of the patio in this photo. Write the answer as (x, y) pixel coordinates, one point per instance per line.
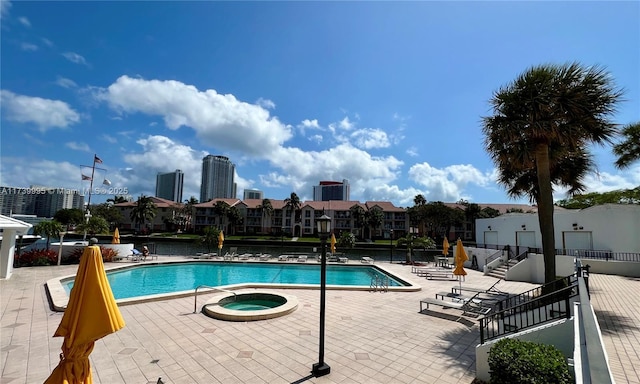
(370, 337)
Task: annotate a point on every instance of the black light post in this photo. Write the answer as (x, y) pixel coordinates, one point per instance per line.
(324, 228)
(391, 246)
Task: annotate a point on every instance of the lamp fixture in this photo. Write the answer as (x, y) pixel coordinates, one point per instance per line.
(489, 227)
(524, 227)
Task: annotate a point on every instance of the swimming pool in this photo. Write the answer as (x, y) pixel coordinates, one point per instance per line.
(165, 278)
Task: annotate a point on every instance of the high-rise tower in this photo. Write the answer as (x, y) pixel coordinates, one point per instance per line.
(331, 190)
(217, 178)
(169, 185)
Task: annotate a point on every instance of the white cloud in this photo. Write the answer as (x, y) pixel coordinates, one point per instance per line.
(24, 21)
(47, 42)
(24, 173)
(28, 47)
(412, 151)
(344, 124)
(5, 5)
(369, 138)
(65, 83)
(78, 146)
(266, 103)
(108, 139)
(45, 113)
(447, 184)
(75, 58)
(306, 123)
(220, 121)
(316, 138)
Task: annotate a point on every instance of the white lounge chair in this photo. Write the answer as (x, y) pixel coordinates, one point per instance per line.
(302, 258)
(366, 259)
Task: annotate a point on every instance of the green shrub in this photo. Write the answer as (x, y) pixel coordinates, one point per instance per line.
(515, 361)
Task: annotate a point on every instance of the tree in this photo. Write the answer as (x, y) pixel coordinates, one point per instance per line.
(145, 210)
(266, 209)
(235, 217)
(117, 199)
(472, 211)
(69, 216)
(628, 150)
(488, 213)
(440, 218)
(48, 229)
(346, 240)
(359, 217)
(209, 238)
(623, 196)
(293, 204)
(111, 214)
(185, 215)
(412, 242)
(419, 200)
(95, 225)
(539, 134)
(221, 209)
(374, 217)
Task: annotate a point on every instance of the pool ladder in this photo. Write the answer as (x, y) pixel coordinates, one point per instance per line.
(379, 283)
(195, 296)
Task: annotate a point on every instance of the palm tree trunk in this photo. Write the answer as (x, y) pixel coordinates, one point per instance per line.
(545, 212)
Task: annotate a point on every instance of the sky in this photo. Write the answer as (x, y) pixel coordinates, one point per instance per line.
(388, 95)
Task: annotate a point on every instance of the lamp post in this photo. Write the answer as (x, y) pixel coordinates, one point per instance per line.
(62, 233)
(324, 228)
(391, 246)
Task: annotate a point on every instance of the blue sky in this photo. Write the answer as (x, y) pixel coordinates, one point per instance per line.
(388, 95)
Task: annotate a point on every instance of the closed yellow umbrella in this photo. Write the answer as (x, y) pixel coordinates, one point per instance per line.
(220, 239)
(460, 258)
(92, 313)
(445, 247)
(333, 243)
(116, 237)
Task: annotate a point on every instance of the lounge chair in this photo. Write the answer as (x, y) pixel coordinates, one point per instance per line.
(264, 256)
(343, 259)
(245, 256)
(302, 258)
(366, 259)
(135, 255)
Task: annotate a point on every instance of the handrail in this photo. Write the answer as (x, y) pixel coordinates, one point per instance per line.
(492, 257)
(523, 255)
(195, 296)
(527, 314)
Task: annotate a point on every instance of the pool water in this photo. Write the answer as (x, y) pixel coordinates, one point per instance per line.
(251, 305)
(175, 277)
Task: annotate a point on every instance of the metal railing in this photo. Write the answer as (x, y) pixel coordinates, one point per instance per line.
(379, 283)
(537, 311)
(529, 309)
(598, 254)
(195, 296)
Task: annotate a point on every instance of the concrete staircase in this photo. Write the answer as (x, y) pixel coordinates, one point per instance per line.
(501, 271)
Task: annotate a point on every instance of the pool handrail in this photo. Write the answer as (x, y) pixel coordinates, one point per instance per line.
(195, 296)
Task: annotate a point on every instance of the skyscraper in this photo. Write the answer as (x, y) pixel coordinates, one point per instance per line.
(217, 178)
(169, 185)
(253, 194)
(331, 190)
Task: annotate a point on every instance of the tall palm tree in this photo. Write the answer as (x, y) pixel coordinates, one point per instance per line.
(145, 210)
(266, 208)
(235, 218)
(359, 217)
(412, 242)
(628, 151)
(419, 200)
(187, 212)
(221, 209)
(48, 229)
(374, 217)
(117, 199)
(293, 204)
(538, 136)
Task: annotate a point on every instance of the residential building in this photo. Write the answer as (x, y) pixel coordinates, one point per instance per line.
(255, 194)
(169, 185)
(331, 190)
(217, 178)
(38, 200)
(166, 212)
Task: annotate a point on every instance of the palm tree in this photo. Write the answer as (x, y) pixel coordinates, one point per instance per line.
(374, 217)
(117, 199)
(538, 136)
(419, 200)
(48, 229)
(95, 224)
(235, 218)
(187, 212)
(292, 203)
(628, 151)
(221, 209)
(359, 217)
(209, 238)
(266, 209)
(145, 210)
(412, 242)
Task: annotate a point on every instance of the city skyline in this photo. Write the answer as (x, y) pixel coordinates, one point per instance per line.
(389, 96)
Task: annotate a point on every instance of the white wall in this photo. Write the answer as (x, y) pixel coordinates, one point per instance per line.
(620, 268)
(555, 334)
(614, 227)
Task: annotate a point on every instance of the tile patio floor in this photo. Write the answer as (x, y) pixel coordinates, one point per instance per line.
(370, 337)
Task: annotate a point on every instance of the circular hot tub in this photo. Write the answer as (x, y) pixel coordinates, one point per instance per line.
(250, 306)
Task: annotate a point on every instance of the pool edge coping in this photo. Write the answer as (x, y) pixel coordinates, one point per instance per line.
(59, 298)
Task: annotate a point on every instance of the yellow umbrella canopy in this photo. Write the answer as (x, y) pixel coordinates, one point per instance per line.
(220, 240)
(116, 237)
(333, 243)
(445, 247)
(91, 314)
(460, 258)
